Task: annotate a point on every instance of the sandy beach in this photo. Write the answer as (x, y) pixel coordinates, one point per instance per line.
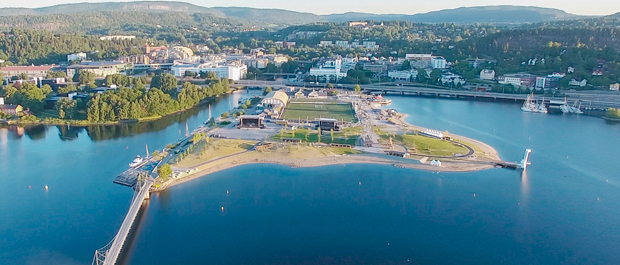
(309, 157)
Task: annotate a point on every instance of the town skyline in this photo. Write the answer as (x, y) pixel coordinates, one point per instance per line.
(594, 8)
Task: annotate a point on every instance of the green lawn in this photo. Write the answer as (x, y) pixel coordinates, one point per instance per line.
(303, 111)
(307, 135)
(430, 146)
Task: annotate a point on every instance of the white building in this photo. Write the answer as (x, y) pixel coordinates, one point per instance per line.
(487, 74)
(403, 75)
(419, 57)
(325, 43)
(329, 69)
(452, 78)
(614, 87)
(438, 62)
(582, 83)
(80, 56)
(258, 63)
(234, 72)
(510, 80)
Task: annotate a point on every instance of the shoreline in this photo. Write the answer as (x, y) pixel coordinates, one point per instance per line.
(217, 165)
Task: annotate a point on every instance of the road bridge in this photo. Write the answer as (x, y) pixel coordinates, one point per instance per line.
(108, 255)
(600, 102)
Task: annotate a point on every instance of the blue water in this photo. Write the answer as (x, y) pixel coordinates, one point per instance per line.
(565, 210)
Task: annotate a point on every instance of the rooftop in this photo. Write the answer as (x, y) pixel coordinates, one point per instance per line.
(27, 68)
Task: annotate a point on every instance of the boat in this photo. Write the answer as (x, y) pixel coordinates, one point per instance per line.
(540, 107)
(529, 105)
(136, 162)
(576, 109)
(385, 102)
(565, 108)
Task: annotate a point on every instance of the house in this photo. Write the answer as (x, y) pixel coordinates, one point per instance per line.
(574, 82)
(313, 94)
(487, 74)
(448, 78)
(10, 108)
(570, 70)
(614, 87)
(300, 94)
(80, 56)
(597, 73)
(32, 71)
(525, 80)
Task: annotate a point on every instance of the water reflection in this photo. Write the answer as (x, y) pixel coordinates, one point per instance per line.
(525, 185)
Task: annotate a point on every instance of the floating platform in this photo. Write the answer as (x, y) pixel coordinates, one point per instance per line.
(128, 178)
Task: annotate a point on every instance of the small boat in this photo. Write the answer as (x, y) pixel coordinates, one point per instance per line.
(136, 162)
(529, 105)
(576, 109)
(565, 108)
(385, 102)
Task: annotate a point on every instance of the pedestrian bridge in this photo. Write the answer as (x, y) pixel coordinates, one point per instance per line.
(108, 254)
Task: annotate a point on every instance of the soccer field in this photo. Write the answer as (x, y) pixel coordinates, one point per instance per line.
(296, 111)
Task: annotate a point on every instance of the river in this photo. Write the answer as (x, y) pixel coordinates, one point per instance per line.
(565, 210)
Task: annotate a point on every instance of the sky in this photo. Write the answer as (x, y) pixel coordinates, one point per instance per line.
(590, 7)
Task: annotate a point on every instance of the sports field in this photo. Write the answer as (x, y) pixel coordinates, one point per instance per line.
(311, 111)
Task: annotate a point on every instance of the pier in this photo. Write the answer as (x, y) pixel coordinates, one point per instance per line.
(108, 255)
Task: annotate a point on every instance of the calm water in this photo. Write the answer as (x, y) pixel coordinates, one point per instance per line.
(566, 210)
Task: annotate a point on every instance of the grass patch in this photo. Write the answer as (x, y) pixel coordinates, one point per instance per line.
(204, 151)
(307, 135)
(303, 111)
(420, 144)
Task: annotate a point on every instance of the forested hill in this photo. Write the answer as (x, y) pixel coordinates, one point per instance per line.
(122, 22)
(280, 17)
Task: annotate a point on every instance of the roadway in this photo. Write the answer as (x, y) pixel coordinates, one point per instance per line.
(589, 99)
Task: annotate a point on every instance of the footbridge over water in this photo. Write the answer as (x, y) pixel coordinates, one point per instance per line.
(108, 255)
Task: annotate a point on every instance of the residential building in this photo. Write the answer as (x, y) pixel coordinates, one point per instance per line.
(438, 62)
(378, 69)
(475, 63)
(80, 56)
(548, 82)
(582, 83)
(403, 75)
(258, 63)
(487, 74)
(325, 43)
(570, 70)
(597, 73)
(10, 108)
(277, 59)
(525, 80)
(358, 23)
(370, 45)
(117, 37)
(99, 68)
(455, 79)
(614, 87)
(32, 71)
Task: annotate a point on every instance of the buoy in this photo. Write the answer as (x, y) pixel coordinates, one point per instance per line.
(227, 192)
(598, 199)
(127, 147)
(388, 244)
(360, 183)
(29, 187)
(46, 187)
(222, 208)
(474, 195)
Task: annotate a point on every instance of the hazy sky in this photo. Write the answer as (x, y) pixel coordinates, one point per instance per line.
(590, 7)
